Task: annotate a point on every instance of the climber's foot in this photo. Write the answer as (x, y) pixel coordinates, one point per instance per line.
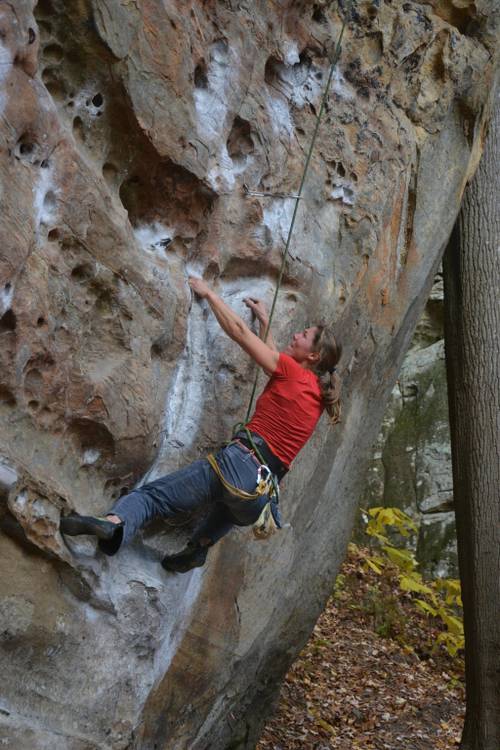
(189, 558)
(74, 525)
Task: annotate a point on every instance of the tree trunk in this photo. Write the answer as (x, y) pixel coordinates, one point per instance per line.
(472, 336)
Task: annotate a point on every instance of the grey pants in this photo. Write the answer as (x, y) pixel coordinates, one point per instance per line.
(187, 490)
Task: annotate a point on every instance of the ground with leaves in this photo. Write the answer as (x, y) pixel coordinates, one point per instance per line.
(371, 676)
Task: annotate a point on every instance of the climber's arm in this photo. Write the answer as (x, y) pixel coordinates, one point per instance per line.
(236, 328)
(260, 311)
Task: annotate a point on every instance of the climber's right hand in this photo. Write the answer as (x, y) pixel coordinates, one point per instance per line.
(258, 308)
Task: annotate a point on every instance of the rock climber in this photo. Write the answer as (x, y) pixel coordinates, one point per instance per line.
(302, 383)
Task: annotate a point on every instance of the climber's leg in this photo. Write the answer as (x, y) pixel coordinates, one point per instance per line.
(239, 468)
(182, 491)
(102, 528)
(217, 524)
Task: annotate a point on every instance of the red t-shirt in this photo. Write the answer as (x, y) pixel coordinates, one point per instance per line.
(288, 409)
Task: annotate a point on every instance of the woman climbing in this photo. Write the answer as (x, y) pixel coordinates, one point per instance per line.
(302, 383)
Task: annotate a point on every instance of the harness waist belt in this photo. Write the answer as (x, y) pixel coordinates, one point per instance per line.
(277, 467)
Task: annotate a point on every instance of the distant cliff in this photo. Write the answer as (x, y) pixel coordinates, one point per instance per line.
(411, 462)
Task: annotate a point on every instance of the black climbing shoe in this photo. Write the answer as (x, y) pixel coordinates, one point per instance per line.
(189, 558)
(74, 525)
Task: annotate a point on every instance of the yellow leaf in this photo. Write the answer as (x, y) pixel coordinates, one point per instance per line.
(325, 725)
(425, 607)
(372, 565)
(401, 557)
(453, 624)
(410, 583)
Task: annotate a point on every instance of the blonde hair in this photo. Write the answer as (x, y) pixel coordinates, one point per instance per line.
(330, 351)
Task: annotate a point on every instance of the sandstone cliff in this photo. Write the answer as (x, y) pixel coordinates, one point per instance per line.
(129, 131)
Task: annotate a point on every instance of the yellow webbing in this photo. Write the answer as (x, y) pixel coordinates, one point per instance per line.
(230, 487)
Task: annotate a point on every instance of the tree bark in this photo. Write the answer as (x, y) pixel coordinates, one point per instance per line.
(472, 338)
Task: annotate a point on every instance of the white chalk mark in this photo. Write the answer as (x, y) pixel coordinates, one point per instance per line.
(154, 238)
(6, 297)
(90, 456)
(5, 68)
(277, 217)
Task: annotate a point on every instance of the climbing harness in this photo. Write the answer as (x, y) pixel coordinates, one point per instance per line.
(263, 486)
(266, 485)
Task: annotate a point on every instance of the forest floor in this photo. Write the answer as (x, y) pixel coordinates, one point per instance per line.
(371, 676)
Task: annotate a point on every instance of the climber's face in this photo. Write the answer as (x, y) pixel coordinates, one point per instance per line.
(301, 347)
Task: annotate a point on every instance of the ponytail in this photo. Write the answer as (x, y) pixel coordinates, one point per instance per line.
(330, 351)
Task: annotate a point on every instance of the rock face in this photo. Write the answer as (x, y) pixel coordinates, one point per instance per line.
(129, 133)
(410, 467)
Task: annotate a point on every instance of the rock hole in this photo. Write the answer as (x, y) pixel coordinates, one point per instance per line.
(313, 109)
(78, 130)
(56, 90)
(33, 404)
(31, 36)
(6, 396)
(33, 381)
(271, 71)
(8, 321)
(45, 26)
(8, 286)
(53, 53)
(200, 76)
(98, 100)
(44, 164)
(25, 148)
(340, 169)
(110, 173)
(41, 321)
(91, 435)
(53, 235)
(82, 272)
(354, 177)
(318, 14)
(240, 143)
(45, 8)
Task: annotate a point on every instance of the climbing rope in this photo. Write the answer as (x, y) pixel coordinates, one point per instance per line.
(335, 58)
